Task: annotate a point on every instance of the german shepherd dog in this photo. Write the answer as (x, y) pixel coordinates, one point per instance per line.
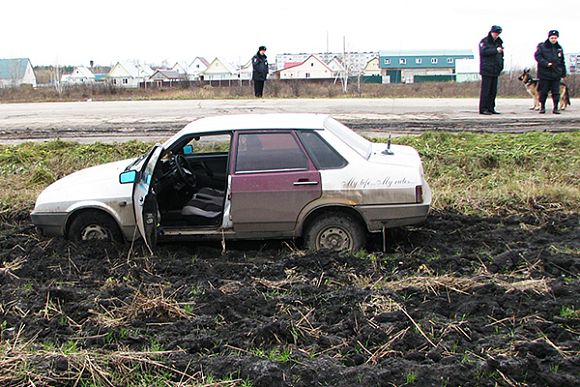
(531, 85)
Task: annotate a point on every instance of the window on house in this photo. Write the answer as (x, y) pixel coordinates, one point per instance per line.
(418, 60)
(402, 61)
(125, 81)
(114, 81)
(307, 75)
(311, 64)
(387, 61)
(434, 60)
(449, 60)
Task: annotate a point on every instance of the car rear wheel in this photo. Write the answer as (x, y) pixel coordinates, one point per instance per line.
(94, 225)
(334, 232)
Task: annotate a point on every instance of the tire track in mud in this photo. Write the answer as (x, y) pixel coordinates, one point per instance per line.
(459, 300)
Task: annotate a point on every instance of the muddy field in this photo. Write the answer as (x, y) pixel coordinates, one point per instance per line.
(460, 300)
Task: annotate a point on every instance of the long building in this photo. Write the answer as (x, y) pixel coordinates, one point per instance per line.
(417, 66)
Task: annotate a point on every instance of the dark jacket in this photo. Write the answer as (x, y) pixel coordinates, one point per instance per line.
(550, 53)
(490, 61)
(260, 66)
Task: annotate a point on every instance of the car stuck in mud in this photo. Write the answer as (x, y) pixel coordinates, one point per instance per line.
(273, 176)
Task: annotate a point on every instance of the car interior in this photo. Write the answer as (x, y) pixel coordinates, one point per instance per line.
(191, 181)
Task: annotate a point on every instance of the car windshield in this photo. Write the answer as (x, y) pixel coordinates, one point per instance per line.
(140, 158)
(356, 142)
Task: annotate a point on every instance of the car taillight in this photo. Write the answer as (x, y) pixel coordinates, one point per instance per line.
(419, 194)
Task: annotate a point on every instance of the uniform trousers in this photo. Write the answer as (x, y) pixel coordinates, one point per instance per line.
(488, 94)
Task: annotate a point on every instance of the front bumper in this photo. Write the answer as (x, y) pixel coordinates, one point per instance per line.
(50, 223)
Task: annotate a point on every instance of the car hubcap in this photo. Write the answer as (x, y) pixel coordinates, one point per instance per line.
(334, 238)
(95, 231)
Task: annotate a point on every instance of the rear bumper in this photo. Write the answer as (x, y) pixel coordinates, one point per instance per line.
(389, 216)
(382, 216)
(50, 223)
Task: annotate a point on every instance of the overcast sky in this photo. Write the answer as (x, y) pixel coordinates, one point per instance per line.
(73, 32)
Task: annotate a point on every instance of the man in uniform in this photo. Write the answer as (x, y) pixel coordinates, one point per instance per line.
(490, 67)
(260, 70)
(551, 68)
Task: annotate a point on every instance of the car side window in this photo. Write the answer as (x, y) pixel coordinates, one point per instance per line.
(260, 152)
(322, 154)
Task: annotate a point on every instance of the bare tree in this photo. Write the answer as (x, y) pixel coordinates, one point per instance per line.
(56, 76)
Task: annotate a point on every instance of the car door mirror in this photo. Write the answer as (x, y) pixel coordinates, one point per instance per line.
(127, 177)
(188, 149)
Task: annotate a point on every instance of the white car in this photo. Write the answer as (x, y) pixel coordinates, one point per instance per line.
(272, 176)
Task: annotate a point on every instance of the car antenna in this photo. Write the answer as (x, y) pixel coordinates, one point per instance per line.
(388, 151)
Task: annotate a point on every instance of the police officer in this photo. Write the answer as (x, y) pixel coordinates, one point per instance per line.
(490, 67)
(551, 67)
(260, 70)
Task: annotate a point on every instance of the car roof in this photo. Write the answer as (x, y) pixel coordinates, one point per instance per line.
(256, 121)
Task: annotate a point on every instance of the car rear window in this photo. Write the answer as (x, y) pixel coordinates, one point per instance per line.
(360, 145)
(322, 154)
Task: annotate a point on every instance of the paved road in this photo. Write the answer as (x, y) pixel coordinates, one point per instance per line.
(123, 120)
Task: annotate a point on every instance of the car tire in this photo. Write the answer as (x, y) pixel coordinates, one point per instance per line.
(94, 225)
(334, 232)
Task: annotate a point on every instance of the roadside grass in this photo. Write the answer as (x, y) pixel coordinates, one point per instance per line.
(27, 168)
(470, 173)
(501, 173)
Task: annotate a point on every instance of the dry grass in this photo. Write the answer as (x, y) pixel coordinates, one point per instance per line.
(149, 304)
(509, 86)
(23, 365)
(448, 283)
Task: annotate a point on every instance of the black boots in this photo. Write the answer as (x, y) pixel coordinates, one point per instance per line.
(556, 100)
(543, 109)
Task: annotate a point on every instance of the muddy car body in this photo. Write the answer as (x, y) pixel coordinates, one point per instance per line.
(270, 176)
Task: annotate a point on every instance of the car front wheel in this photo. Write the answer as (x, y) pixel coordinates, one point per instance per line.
(94, 225)
(334, 232)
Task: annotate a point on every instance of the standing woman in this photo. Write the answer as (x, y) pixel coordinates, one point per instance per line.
(551, 68)
(260, 70)
(490, 67)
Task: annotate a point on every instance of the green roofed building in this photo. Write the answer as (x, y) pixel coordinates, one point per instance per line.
(16, 72)
(420, 66)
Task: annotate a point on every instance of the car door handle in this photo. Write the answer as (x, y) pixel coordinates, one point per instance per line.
(308, 182)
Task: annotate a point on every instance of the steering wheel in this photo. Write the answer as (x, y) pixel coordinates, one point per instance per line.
(183, 171)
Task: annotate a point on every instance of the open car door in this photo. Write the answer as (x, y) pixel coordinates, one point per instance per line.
(144, 201)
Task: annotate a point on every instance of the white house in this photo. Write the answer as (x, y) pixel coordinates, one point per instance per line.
(128, 74)
(195, 68)
(179, 68)
(336, 66)
(311, 68)
(467, 70)
(218, 70)
(16, 72)
(372, 68)
(245, 71)
(80, 76)
(355, 60)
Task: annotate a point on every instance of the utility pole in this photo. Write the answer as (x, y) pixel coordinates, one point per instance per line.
(345, 66)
